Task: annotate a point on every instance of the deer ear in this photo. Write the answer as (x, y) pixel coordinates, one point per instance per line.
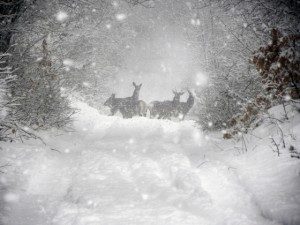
(141, 85)
(134, 84)
(113, 95)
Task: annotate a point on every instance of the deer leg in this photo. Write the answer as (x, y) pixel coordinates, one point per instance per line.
(113, 111)
(162, 116)
(140, 113)
(123, 112)
(151, 113)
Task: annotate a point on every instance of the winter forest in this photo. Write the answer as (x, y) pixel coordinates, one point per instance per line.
(152, 112)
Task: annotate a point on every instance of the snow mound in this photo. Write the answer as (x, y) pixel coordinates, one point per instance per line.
(118, 171)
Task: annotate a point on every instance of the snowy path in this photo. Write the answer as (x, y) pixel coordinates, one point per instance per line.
(138, 171)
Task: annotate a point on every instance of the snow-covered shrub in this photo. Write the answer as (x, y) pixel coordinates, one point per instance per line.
(227, 34)
(4, 127)
(36, 91)
(10, 128)
(278, 64)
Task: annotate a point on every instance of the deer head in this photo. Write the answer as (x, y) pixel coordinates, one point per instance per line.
(109, 102)
(177, 95)
(136, 91)
(136, 86)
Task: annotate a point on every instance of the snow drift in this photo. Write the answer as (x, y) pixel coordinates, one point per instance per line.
(110, 170)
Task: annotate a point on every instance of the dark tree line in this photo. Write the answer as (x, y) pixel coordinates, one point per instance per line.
(10, 10)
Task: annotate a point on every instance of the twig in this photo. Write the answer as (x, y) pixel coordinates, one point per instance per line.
(5, 165)
(230, 167)
(244, 142)
(254, 148)
(286, 116)
(218, 146)
(53, 149)
(274, 142)
(202, 164)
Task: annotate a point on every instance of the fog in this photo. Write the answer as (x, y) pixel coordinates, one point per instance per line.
(161, 57)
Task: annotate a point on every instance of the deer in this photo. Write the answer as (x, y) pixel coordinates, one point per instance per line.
(165, 109)
(185, 107)
(128, 106)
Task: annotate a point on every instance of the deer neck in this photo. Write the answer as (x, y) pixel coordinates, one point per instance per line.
(135, 95)
(176, 101)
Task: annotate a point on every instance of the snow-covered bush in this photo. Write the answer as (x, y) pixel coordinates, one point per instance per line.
(227, 34)
(278, 64)
(88, 41)
(10, 127)
(38, 102)
(4, 126)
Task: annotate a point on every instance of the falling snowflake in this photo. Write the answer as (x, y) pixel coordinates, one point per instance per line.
(86, 84)
(131, 141)
(121, 16)
(61, 16)
(193, 22)
(68, 62)
(115, 3)
(287, 98)
(39, 59)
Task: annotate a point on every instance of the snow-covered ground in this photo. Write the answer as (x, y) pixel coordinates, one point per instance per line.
(140, 171)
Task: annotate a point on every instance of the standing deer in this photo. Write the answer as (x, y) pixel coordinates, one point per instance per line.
(185, 107)
(165, 109)
(128, 107)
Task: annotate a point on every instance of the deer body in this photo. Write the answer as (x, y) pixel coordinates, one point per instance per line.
(128, 106)
(165, 109)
